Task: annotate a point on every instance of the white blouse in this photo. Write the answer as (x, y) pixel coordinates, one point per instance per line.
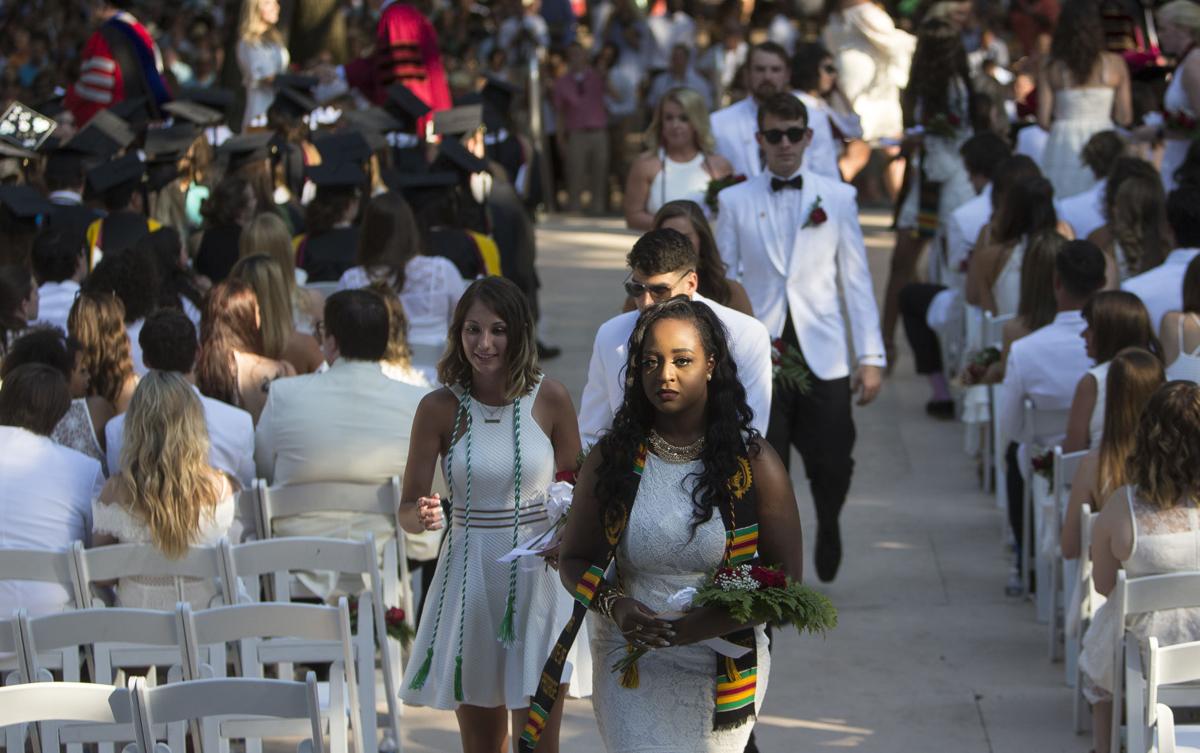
(258, 62)
(432, 287)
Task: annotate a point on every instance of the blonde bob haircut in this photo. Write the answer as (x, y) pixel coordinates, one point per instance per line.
(503, 298)
(251, 27)
(696, 113)
(1183, 13)
(165, 473)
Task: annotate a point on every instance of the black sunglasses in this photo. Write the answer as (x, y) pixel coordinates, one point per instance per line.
(794, 135)
(657, 292)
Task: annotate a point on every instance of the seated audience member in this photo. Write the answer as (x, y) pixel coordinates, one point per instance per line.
(82, 427)
(281, 340)
(663, 265)
(1154, 511)
(1085, 212)
(327, 248)
(18, 303)
(1161, 288)
(168, 343)
(132, 276)
(688, 218)
(65, 180)
(164, 492)
(397, 359)
(351, 423)
(1116, 320)
(59, 266)
(46, 497)
(1133, 376)
(1135, 236)
(232, 205)
(1045, 366)
(178, 287)
(985, 156)
(118, 183)
(97, 322)
(1180, 332)
(232, 365)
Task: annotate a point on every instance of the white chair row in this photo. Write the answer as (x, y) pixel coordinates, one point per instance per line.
(1059, 583)
(137, 712)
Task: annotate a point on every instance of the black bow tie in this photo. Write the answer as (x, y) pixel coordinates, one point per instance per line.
(778, 184)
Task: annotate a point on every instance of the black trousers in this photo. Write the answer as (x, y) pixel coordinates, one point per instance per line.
(1015, 486)
(820, 426)
(915, 298)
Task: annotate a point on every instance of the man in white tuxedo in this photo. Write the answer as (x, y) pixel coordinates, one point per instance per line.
(351, 423)
(1161, 287)
(768, 72)
(663, 265)
(793, 239)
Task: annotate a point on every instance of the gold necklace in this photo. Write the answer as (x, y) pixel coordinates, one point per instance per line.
(674, 453)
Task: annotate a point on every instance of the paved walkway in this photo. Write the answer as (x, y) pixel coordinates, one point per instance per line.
(930, 654)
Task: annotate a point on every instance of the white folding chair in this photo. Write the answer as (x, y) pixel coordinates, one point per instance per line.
(1065, 466)
(283, 635)
(41, 566)
(278, 558)
(1038, 424)
(1087, 607)
(1172, 675)
(43, 702)
(111, 563)
(12, 669)
(992, 336)
(1133, 596)
(226, 703)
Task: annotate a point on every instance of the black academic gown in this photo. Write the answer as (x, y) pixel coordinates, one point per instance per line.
(328, 255)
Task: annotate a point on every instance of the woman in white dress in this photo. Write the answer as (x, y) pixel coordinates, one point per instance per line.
(1178, 33)
(261, 55)
(1082, 90)
(680, 472)
(1180, 333)
(505, 433)
(389, 251)
(1149, 527)
(680, 162)
(165, 492)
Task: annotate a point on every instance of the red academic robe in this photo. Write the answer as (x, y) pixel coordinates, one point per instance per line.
(406, 52)
(119, 60)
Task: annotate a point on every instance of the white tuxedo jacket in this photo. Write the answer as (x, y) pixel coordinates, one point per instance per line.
(805, 277)
(735, 128)
(605, 389)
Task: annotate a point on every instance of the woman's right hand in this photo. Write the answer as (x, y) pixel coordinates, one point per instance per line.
(429, 512)
(639, 625)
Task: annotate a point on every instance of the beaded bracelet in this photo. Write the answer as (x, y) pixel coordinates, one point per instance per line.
(604, 601)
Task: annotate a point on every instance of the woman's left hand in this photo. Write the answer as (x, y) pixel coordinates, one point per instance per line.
(550, 556)
(685, 628)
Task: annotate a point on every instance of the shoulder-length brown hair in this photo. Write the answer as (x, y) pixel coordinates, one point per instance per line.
(1118, 320)
(97, 321)
(712, 272)
(1133, 377)
(506, 300)
(388, 239)
(1036, 307)
(229, 326)
(1165, 464)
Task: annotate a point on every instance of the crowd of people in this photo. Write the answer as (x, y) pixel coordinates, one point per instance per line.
(295, 242)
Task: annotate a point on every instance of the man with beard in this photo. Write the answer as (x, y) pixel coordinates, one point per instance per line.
(768, 71)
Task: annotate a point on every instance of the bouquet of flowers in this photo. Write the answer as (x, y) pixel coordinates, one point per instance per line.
(750, 593)
(394, 621)
(716, 186)
(978, 364)
(788, 367)
(1043, 465)
(943, 124)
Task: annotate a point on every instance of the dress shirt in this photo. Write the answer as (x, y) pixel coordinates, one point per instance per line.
(46, 494)
(787, 207)
(54, 302)
(1031, 142)
(580, 99)
(1045, 366)
(1161, 288)
(230, 436)
(1084, 212)
(963, 229)
(749, 345)
(665, 82)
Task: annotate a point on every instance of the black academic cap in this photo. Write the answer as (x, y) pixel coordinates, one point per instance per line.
(103, 136)
(343, 146)
(66, 162)
(374, 119)
(118, 172)
(458, 121)
(24, 202)
(296, 102)
(136, 111)
(194, 112)
(246, 148)
(214, 97)
(453, 155)
(336, 175)
(295, 81)
(405, 105)
(497, 95)
(159, 175)
(169, 144)
(419, 189)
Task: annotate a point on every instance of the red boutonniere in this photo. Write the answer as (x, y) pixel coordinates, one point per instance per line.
(816, 215)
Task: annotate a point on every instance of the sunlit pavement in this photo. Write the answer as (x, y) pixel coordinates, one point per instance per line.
(930, 654)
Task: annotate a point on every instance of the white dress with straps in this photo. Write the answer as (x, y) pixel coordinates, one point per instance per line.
(679, 180)
(1187, 365)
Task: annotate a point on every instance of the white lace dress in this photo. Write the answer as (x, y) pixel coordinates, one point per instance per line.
(1164, 541)
(161, 593)
(1079, 114)
(493, 676)
(671, 710)
(873, 57)
(76, 431)
(1175, 149)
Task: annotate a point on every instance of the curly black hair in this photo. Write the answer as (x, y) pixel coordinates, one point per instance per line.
(728, 435)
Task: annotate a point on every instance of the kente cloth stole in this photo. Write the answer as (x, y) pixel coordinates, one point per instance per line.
(736, 679)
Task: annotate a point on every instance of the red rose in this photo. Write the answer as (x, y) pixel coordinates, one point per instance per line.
(818, 216)
(953, 119)
(768, 578)
(394, 616)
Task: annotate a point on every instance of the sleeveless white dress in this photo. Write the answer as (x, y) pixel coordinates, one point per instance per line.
(1187, 365)
(493, 675)
(1079, 114)
(671, 710)
(1176, 149)
(1006, 290)
(677, 181)
(76, 431)
(1164, 541)
(1096, 421)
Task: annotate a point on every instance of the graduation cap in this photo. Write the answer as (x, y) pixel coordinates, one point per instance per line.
(405, 106)
(170, 144)
(212, 97)
(23, 202)
(296, 81)
(194, 112)
(374, 119)
(295, 102)
(458, 121)
(159, 175)
(136, 111)
(24, 127)
(454, 156)
(245, 149)
(336, 175)
(66, 163)
(497, 95)
(103, 136)
(344, 146)
(116, 173)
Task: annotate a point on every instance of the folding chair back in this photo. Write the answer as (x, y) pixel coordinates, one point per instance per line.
(43, 566)
(217, 699)
(1087, 607)
(108, 563)
(1065, 466)
(1037, 426)
(61, 711)
(993, 328)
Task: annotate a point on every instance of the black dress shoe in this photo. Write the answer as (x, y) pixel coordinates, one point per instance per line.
(829, 552)
(751, 746)
(943, 409)
(546, 352)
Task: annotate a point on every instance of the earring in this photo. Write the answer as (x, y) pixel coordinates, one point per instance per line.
(710, 377)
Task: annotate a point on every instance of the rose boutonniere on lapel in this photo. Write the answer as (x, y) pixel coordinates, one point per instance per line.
(716, 186)
(816, 215)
